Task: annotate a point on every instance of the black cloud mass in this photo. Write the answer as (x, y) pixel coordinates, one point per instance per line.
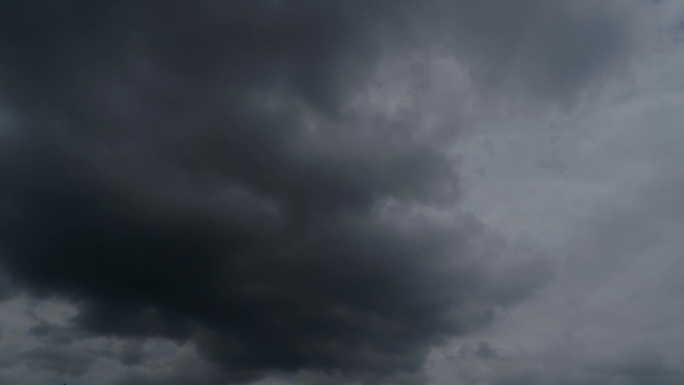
(198, 171)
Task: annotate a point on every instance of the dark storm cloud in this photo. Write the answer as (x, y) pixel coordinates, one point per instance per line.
(193, 171)
(6, 290)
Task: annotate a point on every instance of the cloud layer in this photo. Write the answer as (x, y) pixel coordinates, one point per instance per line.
(216, 172)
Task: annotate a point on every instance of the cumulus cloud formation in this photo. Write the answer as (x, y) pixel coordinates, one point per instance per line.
(220, 174)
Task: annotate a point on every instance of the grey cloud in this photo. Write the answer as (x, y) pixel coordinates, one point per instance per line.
(543, 49)
(612, 314)
(132, 353)
(643, 366)
(53, 334)
(566, 363)
(61, 361)
(182, 368)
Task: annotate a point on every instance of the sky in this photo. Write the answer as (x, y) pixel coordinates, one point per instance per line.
(306, 192)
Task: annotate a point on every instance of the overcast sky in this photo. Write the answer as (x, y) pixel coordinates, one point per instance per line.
(362, 192)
